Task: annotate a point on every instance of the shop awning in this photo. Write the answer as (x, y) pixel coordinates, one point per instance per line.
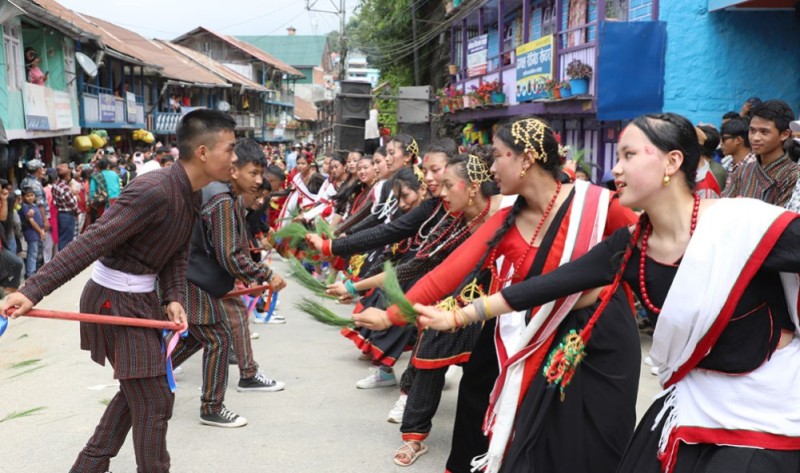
(715, 5)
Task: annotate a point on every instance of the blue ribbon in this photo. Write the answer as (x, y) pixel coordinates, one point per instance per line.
(3, 325)
(173, 386)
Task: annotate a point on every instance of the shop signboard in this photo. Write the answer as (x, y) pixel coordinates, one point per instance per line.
(108, 108)
(534, 67)
(477, 52)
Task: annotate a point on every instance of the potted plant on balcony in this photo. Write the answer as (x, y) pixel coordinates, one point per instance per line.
(452, 69)
(579, 74)
(551, 86)
(292, 125)
(565, 89)
(271, 122)
(488, 93)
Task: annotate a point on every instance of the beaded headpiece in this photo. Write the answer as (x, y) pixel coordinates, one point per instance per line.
(530, 132)
(477, 171)
(419, 174)
(413, 148)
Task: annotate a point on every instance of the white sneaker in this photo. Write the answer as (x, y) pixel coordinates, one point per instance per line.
(648, 361)
(396, 414)
(275, 319)
(254, 336)
(654, 371)
(377, 379)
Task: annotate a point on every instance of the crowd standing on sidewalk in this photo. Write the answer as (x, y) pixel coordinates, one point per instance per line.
(522, 271)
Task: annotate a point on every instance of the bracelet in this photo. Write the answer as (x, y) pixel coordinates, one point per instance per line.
(488, 314)
(464, 318)
(480, 310)
(351, 287)
(455, 322)
(327, 251)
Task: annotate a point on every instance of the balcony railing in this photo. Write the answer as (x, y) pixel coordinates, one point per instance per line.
(101, 108)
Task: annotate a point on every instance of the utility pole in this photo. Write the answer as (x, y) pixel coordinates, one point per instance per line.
(417, 79)
(341, 11)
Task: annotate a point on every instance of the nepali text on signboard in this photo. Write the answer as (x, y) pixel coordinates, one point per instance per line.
(130, 100)
(108, 108)
(477, 51)
(534, 67)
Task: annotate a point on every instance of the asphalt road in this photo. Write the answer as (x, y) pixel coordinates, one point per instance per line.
(52, 396)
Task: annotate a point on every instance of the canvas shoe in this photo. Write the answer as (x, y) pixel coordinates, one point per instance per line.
(396, 414)
(223, 418)
(377, 379)
(259, 383)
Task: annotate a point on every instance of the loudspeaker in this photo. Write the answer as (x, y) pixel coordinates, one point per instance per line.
(354, 100)
(348, 134)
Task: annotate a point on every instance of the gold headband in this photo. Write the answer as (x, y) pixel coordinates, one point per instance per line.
(420, 175)
(530, 132)
(477, 171)
(413, 148)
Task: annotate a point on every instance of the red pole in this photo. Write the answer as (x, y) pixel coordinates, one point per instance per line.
(101, 319)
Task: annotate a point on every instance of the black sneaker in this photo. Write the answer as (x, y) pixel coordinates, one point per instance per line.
(259, 382)
(223, 418)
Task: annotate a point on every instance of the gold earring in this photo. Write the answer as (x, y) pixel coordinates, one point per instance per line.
(666, 180)
(522, 173)
(470, 201)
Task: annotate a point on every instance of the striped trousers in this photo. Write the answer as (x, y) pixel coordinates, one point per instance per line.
(143, 405)
(215, 340)
(240, 331)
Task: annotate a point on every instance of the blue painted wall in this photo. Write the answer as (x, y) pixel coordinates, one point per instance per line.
(717, 60)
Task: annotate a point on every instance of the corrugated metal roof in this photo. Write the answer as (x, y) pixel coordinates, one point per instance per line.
(212, 65)
(297, 50)
(304, 110)
(247, 48)
(173, 64)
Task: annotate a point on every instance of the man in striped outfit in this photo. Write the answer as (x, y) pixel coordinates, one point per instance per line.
(219, 254)
(141, 241)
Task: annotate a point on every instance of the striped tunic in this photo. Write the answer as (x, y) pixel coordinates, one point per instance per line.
(223, 220)
(146, 231)
(772, 183)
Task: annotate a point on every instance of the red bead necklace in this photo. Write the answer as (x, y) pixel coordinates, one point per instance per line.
(493, 255)
(643, 256)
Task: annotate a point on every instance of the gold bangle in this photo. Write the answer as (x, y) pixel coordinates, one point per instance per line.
(455, 322)
(489, 314)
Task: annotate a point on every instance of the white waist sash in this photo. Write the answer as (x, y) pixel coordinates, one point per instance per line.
(121, 281)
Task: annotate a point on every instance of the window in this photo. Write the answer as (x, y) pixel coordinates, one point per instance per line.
(15, 71)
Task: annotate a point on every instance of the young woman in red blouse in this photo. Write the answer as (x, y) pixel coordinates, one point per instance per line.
(549, 224)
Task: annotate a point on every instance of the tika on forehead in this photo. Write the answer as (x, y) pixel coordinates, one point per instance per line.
(530, 132)
(477, 171)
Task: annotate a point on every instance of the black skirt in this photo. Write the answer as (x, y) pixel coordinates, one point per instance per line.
(642, 453)
(589, 430)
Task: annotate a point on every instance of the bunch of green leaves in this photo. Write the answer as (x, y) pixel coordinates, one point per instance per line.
(394, 293)
(306, 279)
(322, 314)
(294, 232)
(322, 227)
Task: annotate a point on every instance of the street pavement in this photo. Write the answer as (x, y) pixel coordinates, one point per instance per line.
(52, 396)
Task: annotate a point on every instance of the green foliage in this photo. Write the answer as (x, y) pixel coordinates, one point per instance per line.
(394, 293)
(321, 313)
(306, 279)
(18, 414)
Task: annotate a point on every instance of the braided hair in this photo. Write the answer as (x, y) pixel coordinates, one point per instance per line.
(550, 161)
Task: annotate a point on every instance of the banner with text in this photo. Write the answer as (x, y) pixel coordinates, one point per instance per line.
(477, 52)
(46, 109)
(535, 65)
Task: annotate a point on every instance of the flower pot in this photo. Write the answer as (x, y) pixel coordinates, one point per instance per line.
(566, 92)
(452, 69)
(557, 93)
(498, 98)
(467, 101)
(579, 86)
